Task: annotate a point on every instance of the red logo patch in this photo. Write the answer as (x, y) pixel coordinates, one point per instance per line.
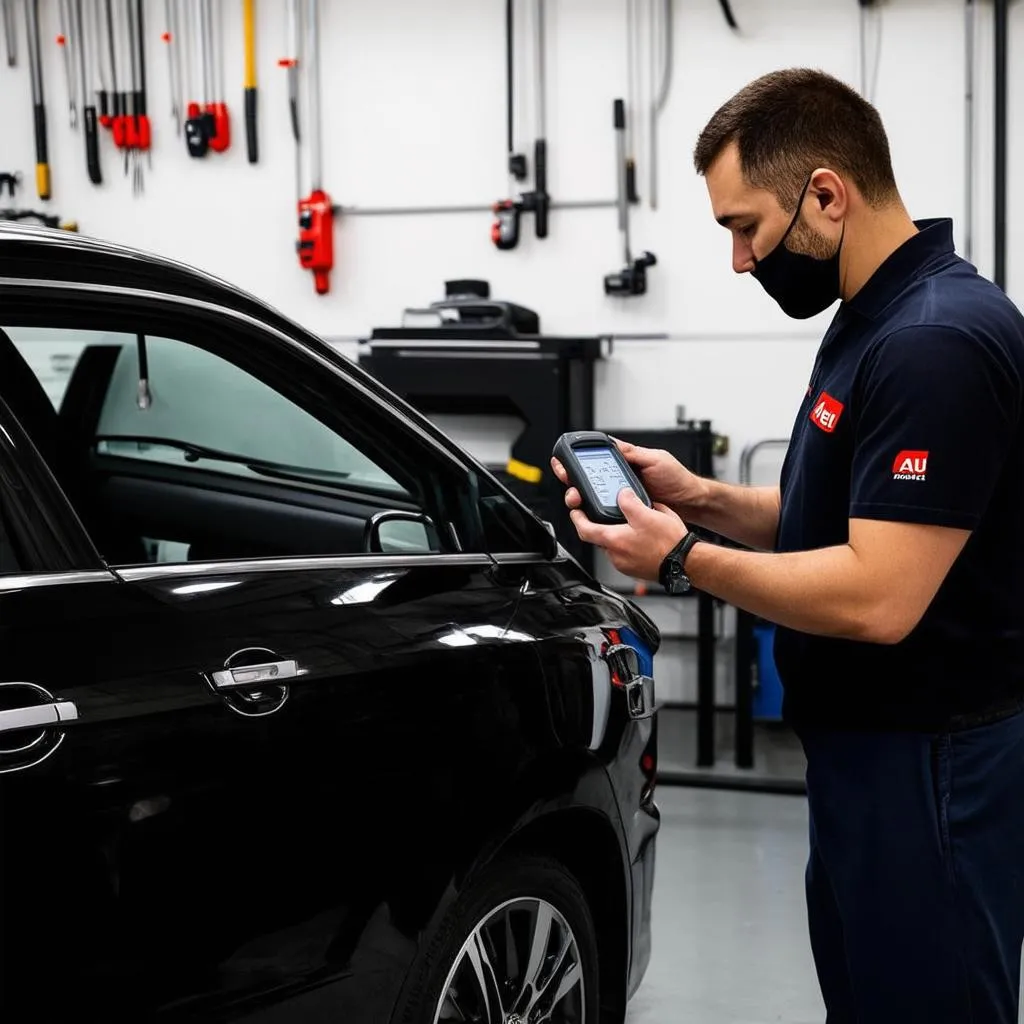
(826, 412)
(910, 465)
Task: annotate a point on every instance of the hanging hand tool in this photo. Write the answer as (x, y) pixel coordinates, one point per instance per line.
(105, 61)
(131, 110)
(634, 62)
(35, 61)
(218, 108)
(632, 279)
(661, 32)
(142, 131)
(249, 28)
(83, 36)
(541, 200)
(10, 180)
(118, 95)
(505, 229)
(197, 126)
(68, 42)
(516, 161)
(316, 212)
(171, 38)
(730, 18)
(291, 65)
(10, 32)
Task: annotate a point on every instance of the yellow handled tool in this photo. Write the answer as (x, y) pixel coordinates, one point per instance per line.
(35, 60)
(249, 25)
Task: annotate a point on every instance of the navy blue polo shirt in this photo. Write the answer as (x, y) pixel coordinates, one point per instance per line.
(914, 413)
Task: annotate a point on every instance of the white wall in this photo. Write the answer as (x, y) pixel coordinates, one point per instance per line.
(414, 114)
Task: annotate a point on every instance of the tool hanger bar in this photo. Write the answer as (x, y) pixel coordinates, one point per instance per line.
(456, 208)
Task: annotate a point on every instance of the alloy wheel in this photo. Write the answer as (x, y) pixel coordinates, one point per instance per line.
(520, 965)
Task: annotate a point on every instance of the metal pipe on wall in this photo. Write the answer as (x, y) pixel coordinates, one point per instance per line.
(969, 35)
(999, 195)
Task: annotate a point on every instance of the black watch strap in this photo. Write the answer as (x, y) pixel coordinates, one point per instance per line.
(672, 575)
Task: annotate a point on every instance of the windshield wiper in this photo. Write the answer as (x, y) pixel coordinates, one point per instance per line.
(195, 452)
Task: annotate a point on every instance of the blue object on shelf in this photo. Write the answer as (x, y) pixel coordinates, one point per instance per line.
(768, 688)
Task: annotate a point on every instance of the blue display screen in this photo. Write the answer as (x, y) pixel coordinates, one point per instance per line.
(603, 473)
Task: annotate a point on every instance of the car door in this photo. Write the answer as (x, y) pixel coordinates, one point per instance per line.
(241, 778)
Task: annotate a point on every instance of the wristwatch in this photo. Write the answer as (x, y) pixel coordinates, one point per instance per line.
(671, 575)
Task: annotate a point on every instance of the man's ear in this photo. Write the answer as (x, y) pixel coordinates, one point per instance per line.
(831, 193)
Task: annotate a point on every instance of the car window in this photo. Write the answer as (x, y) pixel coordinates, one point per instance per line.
(198, 406)
(146, 433)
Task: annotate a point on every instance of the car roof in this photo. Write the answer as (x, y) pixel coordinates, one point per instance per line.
(52, 255)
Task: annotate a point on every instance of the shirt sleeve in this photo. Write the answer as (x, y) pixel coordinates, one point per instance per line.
(937, 414)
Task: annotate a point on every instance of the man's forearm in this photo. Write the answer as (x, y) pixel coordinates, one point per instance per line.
(826, 592)
(746, 515)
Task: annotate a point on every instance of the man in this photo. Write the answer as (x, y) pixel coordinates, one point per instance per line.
(891, 557)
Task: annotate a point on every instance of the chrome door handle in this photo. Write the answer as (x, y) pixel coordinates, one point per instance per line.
(38, 716)
(248, 677)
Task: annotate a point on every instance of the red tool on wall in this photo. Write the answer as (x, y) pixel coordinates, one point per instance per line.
(217, 107)
(315, 246)
(207, 123)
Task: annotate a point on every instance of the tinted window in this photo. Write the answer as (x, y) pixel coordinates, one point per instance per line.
(145, 434)
(200, 404)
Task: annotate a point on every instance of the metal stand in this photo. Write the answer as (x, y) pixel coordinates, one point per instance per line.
(480, 371)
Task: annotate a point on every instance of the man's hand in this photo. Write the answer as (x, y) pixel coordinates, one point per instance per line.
(749, 515)
(639, 546)
(666, 479)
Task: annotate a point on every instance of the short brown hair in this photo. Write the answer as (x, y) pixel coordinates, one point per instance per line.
(788, 122)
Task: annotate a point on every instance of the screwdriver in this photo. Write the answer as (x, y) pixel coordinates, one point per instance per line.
(35, 60)
(92, 152)
(10, 33)
(249, 19)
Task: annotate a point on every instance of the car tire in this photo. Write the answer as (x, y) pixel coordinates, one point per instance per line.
(511, 896)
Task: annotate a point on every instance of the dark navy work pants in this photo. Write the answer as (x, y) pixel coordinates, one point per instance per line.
(915, 879)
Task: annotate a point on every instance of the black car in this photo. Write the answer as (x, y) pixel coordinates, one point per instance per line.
(303, 716)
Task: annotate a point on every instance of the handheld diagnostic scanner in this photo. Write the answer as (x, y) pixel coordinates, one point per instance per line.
(599, 471)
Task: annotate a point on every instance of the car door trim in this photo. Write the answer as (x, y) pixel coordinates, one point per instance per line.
(136, 573)
(25, 581)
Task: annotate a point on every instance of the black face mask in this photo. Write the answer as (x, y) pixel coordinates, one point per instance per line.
(802, 285)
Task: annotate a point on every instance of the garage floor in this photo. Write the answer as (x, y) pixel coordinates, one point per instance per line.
(730, 938)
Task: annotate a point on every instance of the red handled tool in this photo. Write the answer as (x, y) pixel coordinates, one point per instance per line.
(315, 246)
(316, 238)
(217, 109)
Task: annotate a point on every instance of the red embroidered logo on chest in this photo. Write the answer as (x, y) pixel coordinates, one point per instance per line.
(826, 412)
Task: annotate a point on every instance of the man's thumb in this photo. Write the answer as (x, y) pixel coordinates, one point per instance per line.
(632, 507)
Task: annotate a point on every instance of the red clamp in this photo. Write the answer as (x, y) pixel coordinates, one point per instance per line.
(316, 238)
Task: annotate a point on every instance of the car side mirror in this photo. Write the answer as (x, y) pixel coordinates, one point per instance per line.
(398, 532)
